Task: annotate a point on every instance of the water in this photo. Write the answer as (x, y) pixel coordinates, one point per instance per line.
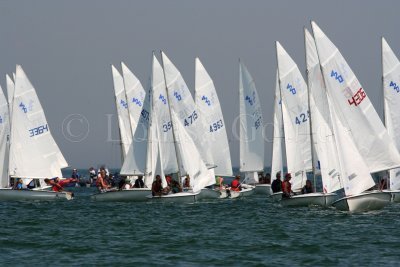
(249, 232)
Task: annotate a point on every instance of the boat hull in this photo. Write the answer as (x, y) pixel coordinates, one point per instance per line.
(395, 195)
(181, 197)
(367, 201)
(132, 194)
(245, 192)
(312, 199)
(16, 195)
(207, 193)
(263, 189)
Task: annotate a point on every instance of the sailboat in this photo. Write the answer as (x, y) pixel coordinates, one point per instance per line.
(133, 109)
(363, 144)
(209, 106)
(185, 119)
(251, 132)
(390, 87)
(34, 155)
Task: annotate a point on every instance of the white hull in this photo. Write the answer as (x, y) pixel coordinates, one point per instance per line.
(132, 194)
(15, 195)
(236, 194)
(312, 199)
(276, 197)
(181, 197)
(374, 200)
(395, 195)
(207, 193)
(263, 189)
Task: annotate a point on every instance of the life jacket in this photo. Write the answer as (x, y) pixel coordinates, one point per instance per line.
(235, 185)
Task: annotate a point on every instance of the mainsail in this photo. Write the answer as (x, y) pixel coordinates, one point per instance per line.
(210, 108)
(10, 92)
(296, 119)
(4, 140)
(122, 111)
(322, 131)
(182, 103)
(391, 97)
(33, 151)
(251, 124)
(354, 109)
(278, 138)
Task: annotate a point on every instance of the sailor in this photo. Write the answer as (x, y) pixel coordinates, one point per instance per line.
(308, 188)
(287, 186)
(101, 182)
(276, 185)
(156, 188)
(235, 185)
(75, 174)
(139, 182)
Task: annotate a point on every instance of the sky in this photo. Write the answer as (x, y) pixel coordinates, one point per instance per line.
(66, 49)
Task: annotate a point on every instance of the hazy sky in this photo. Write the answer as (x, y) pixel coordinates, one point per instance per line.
(66, 48)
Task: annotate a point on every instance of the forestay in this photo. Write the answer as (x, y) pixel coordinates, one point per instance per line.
(191, 159)
(251, 124)
(323, 138)
(278, 138)
(182, 103)
(122, 111)
(391, 94)
(34, 152)
(295, 99)
(208, 103)
(354, 109)
(4, 140)
(163, 120)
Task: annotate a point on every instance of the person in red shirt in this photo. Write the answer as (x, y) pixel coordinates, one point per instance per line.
(235, 185)
(287, 186)
(57, 185)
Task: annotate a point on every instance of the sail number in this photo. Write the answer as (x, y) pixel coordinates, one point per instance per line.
(216, 126)
(38, 130)
(258, 122)
(145, 115)
(190, 119)
(1, 120)
(291, 89)
(357, 98)
(23, 107)
(395, 86)
(303, 117)
(167, 126)
(177, 96)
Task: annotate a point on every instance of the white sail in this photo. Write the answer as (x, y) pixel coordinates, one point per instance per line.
(354, 109)
(163, 120)
(209, 106)
(295, 100)
(135, 161)
(4, 140)
(192, 161)
(122, 111)
(10, 92)
(152, 151)
(391, 97)
(323, 138)
(182, 103)
(251, 124)
(33, 151)
(278, 138)
(135, 95)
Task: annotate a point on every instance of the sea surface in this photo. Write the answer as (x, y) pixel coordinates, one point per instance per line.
(238, 232)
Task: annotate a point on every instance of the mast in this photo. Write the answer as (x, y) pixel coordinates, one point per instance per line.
(280, 95)
(150, 140)
(172, 123)
(309, 114)
(119, 128)
(384, 104)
